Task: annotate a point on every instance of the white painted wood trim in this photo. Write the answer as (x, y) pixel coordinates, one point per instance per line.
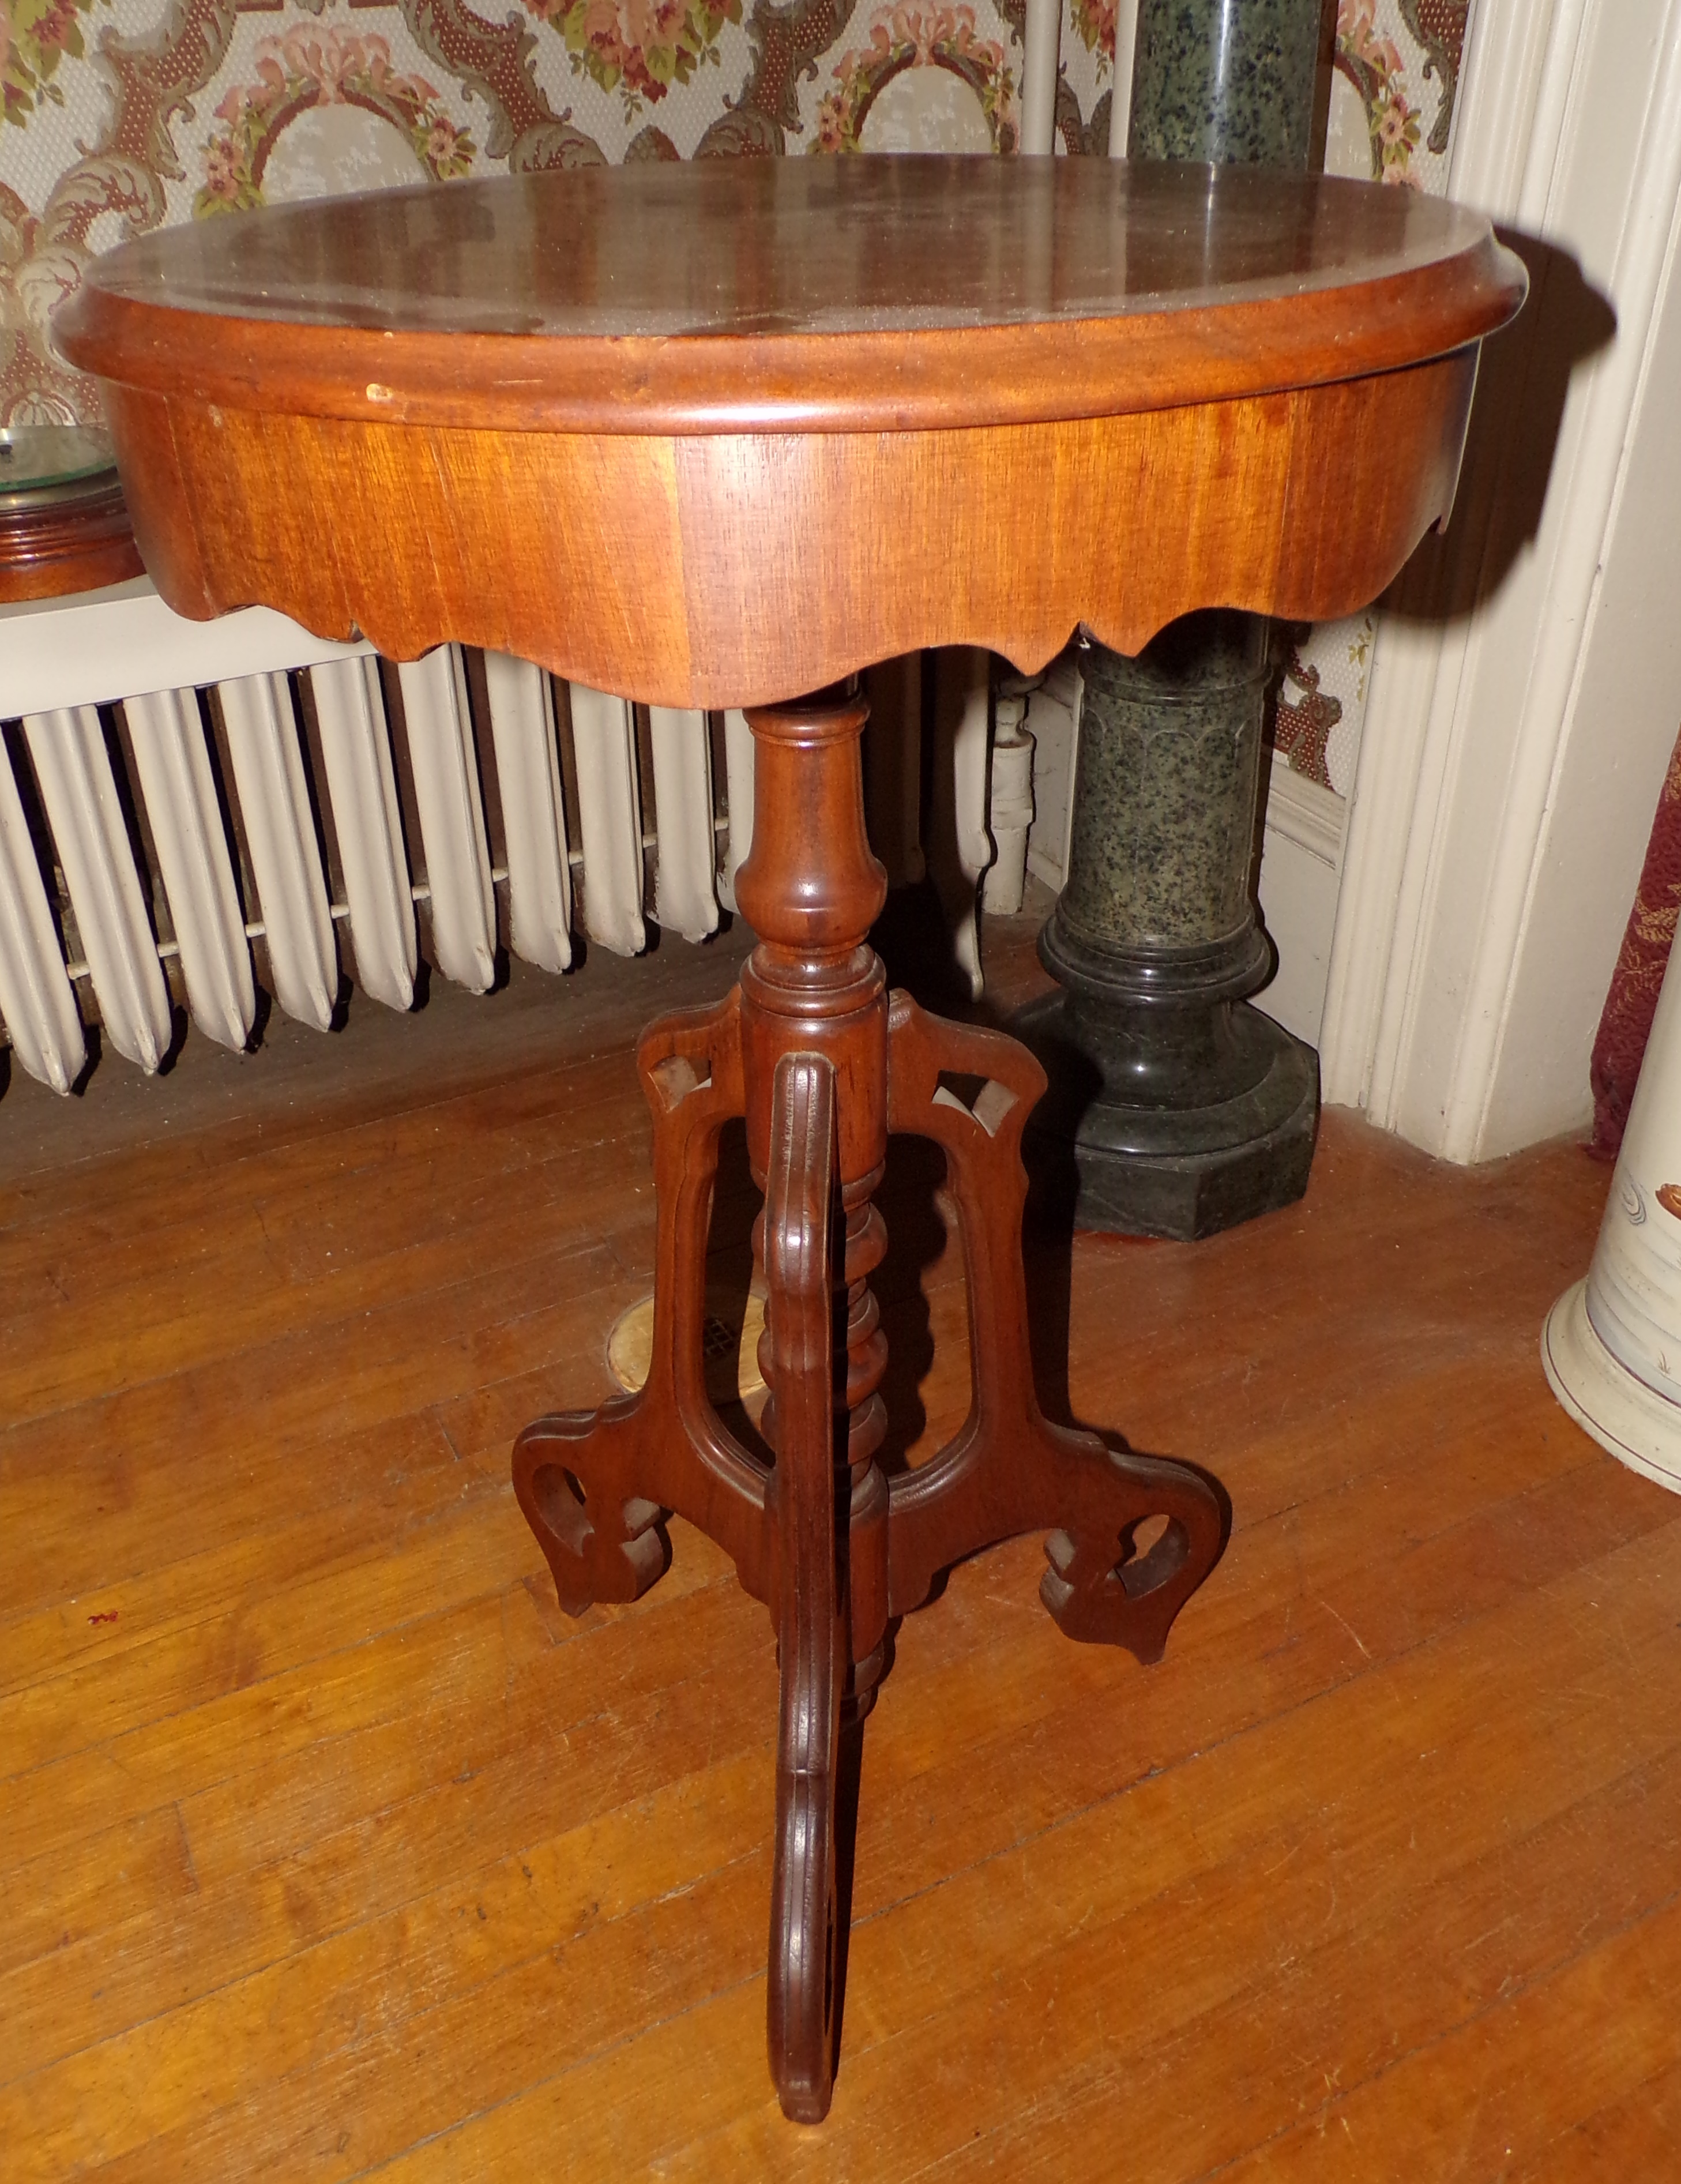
(1121, 106)
(1306, 813)
(1040, 59)
(1571, 128)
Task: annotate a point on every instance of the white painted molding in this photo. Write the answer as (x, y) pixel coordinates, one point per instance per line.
(1437, 1018)
(1300, 860)
(123, 642)
(1306, 813)
(1121, 103)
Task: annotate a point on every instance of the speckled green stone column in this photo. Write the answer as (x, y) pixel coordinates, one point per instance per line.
(1176, 1109)
(1226, 81)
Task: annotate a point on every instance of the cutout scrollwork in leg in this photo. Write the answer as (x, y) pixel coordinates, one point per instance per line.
(1009, 1470)
(595, 1486)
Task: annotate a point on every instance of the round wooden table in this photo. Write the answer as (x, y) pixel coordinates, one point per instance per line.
(723, 434)
(63, 527)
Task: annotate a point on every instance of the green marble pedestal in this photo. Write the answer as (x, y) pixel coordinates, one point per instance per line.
(1176, 1108)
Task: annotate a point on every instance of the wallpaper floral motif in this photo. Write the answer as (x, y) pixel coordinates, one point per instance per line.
(121, 115)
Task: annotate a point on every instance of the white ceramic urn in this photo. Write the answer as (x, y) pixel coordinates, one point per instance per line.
(1612, 1345)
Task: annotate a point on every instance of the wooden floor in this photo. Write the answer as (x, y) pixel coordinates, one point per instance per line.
(332, 1849)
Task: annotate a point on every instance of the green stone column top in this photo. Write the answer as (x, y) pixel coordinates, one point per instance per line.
(1226, 81)
(1175, 1108)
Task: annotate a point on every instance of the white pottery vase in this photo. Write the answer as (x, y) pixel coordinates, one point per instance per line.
(1612, 1345)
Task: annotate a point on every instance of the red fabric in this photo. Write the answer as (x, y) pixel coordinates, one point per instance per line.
(1626, 1021)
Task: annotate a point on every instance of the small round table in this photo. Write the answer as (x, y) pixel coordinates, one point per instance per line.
(64, 524)
(723, 434)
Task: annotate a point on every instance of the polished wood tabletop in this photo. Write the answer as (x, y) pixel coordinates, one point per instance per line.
(799, 295)
(715, 403)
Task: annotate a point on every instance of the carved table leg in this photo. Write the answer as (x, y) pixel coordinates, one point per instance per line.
(1008, 1470)
(596, 1486)
(799, 1208)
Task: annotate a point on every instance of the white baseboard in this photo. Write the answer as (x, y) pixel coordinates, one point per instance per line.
(1300, 875)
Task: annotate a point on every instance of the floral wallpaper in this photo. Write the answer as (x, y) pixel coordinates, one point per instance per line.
(120, 115)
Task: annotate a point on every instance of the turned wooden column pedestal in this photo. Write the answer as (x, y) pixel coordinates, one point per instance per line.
(824, 1063)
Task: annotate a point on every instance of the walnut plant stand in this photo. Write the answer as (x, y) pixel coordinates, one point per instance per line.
(868, 406)
(824, 1063)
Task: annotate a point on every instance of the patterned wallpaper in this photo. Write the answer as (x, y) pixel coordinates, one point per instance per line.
(120, 115)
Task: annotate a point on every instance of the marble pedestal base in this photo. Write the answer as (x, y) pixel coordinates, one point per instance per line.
(1175, 1109)
(1172, 1114)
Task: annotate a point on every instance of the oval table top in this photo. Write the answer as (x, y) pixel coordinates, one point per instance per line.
(721, 432)
(795, 295)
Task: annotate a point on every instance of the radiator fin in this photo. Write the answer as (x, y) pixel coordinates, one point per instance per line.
(684, 900)
(361, 789)
(280, 836)
(166, 732)
(144, 851)
(36, 995)
(446, 775)
(79, 791)
(738, 787)
(533, 817)
(609, 817)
